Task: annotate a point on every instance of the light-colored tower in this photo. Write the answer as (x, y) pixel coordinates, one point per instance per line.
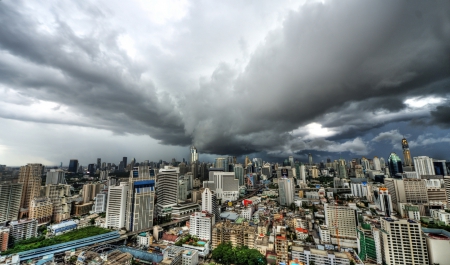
(310, 159)
(167, 189)
(376, 163)
(303, 173)
(116, 206)
(424, 165)
(384, 201)
(403, 242)
(343, 219)
(286, 191)
(194, 154)
(200, 225)
(365, 164)
(239, 173)
(60, 197)
(406, 153)
(141, 198)
(10, 196)
(30, 177)
(209, 203)
(55, 176)
(41, 209)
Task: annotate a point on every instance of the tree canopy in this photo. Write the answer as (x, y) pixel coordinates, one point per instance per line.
(226, 254)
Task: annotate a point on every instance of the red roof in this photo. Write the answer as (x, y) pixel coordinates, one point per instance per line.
(302, 230)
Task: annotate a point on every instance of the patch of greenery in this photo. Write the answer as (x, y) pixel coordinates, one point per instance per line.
(40, 242)
(226, 254)
(188, 239)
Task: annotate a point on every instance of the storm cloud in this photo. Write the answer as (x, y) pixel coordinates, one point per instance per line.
(230, 78)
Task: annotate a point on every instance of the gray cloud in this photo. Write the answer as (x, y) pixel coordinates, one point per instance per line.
(349, 66)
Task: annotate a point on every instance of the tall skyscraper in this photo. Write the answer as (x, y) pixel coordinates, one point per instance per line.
(406, 153)
(403, 242)
(116, 207)
(424, 165)
(99, 163)
(30, 177)
(59, 194)
(342, 218)
(291, 161)
(73, 166)
(200, 225)
(10, 197)
(365, 164)
(286, 191)
(310, 159)
(239, 173)
(384, 201)
(302, 173)
(395, 164)
(141, 198)
(376, 164)
(124, 161)
(194, 154)
(209, 203)
(167, 189)
(55, 176)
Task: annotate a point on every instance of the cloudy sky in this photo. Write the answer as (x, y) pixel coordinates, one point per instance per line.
(146, 79)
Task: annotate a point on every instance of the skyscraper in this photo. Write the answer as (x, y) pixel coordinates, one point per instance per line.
(424, 165)
(310, 159)
(116, 206)
(124, 161)
(194, 154)
(239, 173)
(99, 163)
(141, 198)
(167, 189)
(395, 164)
(343, 219)
(286, 191)
(291, 161)
(10, 196)
(406, 153)
(376, 163)
(30, 177)
(73, 166)
(55, 176)
(209, 203)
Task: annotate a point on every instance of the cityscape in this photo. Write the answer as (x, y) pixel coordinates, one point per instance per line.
(181, 132)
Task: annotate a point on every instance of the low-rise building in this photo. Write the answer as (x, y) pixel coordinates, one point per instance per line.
(310, 255)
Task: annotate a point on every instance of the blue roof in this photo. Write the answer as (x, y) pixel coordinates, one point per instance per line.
(63, 224)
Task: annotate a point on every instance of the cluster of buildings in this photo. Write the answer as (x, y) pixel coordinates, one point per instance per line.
(362, 211)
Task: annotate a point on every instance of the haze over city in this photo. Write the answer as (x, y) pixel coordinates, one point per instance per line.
(268, 79)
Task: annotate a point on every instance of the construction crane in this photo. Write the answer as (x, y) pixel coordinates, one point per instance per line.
(335, 223)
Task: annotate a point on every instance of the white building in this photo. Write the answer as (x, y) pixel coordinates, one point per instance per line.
(438, 241)
(286, 190)
(324, 234)
(189, 257)
(345, 220)
(200, 225)
(384, 201)
(167, 189)
(424, 165)
(410, 175)
(376, 164)
(403, 241)
(23, 229)
(145, 239)
(224, 185)
(55, 176)
(100, 203)
(308, 255)
(361, 190)
(209, 203)
(440, 215)
(116, 206)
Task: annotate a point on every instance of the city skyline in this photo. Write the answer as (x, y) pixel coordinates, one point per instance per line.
(148, 80)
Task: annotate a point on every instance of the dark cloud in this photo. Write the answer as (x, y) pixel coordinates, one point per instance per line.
(349, 66)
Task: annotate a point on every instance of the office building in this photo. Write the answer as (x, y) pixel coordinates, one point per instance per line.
(30, 177)
(407, 191)
(403, 242)
(41, 209)
(209, 203)
(23, 229)
(395, 164)
(310, 159)
(99, 164)
(286, 190)
(406, 153)
(344, 220)
(223, 184)
(194, 155)
(100, 203)
(376, 164)
(10, 197)
(342, 169)
(286, 172)
(222, 163)
(141, 198)
(90, 191)
(361, 190)
(200, 225)
(167, 189)
(424, 165)
(440, 167)
(239, 173)
(55, 176)
(302, 173)
(365, 164)
(116, 207)
(182, 190)
(384, 201)
(73, 166)
(60, 196)
(310, 255)
(369, 244)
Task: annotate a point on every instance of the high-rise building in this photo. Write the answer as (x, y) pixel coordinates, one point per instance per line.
(384, 201)
(376, 164)
(30, 177)
(55, 176)
(291, 161)
(369, 243)
(141, 198)
(342, 169)
(99, 163)
(395, 164)
(91, 169)
(10, 197)
(209, 203)
(200, 225)
(4, 238)
(440, 167)
(406, 191)
(91, 190)
(424, 165)
(182, 190)
(224, 184)
(406, 153)
(100, 203)
(286, 190)
(167, 189)
(403, 242)
(59, 194)
(116, 208)
(73, 166)
(382, 163)
(344, 220)
(221, 162)
(41, 209)
(194, 155)
(303, 173)
(239, 173)
(124, 162)
(365, 164)
(23, 229)
(310, 159)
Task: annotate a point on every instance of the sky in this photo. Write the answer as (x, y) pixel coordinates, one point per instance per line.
(269, 79)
